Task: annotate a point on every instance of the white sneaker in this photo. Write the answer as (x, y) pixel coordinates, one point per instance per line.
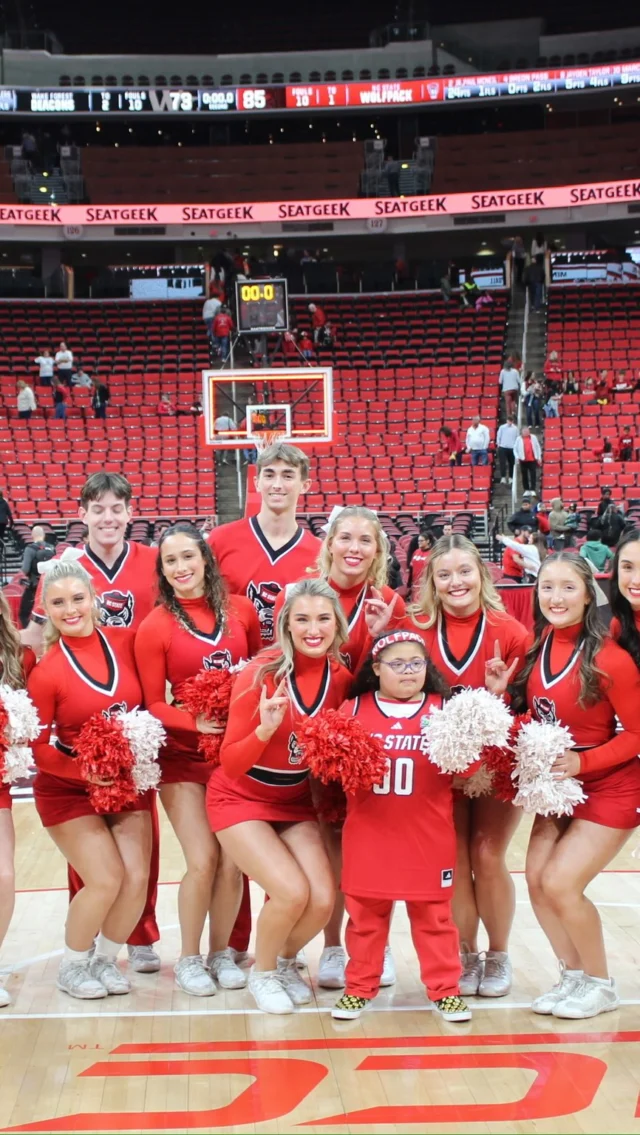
(498, 975)
(503, 480)
(193, 978)
(222, 966)
(546, 1003)
(75, 978)
(4, 998)
(268, 993)
(143, 959)
(242, 958)
(388, 976)
(292, 983)
(301, 960)
(109, 974)
(589, 997)
(331, 967)
(471, 976)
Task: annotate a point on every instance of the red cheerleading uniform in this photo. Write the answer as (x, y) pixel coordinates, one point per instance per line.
(168, 652)
(419, 561)
(251, 567)
(28, 663)
(399, 843)
(609, 765)
(126, 592)
(460, 647)
(77, 678)
(268, 780)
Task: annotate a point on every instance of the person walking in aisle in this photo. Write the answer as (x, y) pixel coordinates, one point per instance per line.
(477, 442)
(506, 439)
(527, 452)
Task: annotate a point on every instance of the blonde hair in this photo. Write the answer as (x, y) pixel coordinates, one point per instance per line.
(65, 569)
(10, 648)
(380, 566)
(282, 665)
(429, 604)
(290, 454)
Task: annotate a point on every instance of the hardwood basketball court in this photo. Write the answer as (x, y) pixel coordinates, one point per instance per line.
(159, 1060)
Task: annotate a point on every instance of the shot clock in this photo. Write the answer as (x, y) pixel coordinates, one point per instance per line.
(262, 305)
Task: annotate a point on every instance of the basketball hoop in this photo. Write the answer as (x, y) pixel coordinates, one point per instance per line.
(265, 438)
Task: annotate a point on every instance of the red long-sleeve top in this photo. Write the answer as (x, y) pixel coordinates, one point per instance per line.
(460, 647)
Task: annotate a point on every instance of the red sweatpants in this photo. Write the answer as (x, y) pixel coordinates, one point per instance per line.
(241, 932)
(434, 934)
(146, 932)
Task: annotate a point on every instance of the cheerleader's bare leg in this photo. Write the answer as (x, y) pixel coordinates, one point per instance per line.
(184, 804)
(7, 871)
(225, 903)
(132, 835)
(465, 911)
(493, 825)
(307, 847)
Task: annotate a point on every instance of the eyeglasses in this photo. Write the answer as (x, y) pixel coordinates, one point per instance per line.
(413, 666)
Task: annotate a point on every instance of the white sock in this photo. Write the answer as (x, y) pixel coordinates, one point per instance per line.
(286, 961)
(75, 955)
(608, 981)
(106, 948)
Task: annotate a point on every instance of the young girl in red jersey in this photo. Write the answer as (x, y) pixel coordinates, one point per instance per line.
(86, 670)
(16, 663)
(575, 676)
(474, 643)
(399, 840)
(259, 801)
(196, 626)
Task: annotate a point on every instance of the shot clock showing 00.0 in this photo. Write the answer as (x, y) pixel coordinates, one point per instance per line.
(262, 305)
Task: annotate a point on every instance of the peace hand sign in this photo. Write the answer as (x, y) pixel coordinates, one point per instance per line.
(272, 711)
(377, 613)
(496, 673)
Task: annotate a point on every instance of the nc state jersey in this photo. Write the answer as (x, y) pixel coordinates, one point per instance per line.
(399, 840)
(251, 567)
(460, 647)
(125, 592)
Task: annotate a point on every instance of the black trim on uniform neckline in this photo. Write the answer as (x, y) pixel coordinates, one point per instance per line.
(460, 664)
(548, 678)
(109, 687)
(309, 710)
(109, 572)
(274, 554)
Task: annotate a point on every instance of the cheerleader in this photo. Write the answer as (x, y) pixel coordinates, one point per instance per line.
(87, 670)
(16, 663)
(399, 839)
(474, 644)
(625, 595)
(259, 801)
(196, 626)
(575, 676)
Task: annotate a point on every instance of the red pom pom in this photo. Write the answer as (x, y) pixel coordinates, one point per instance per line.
(501, 762)
(4, 744)
(104, 753)
(330, 802)
(209, 694)
(339, 748)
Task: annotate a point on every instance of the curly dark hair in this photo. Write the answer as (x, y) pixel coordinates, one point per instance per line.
(367, 681)
(215, 591)
(629, 637)
(591, 677)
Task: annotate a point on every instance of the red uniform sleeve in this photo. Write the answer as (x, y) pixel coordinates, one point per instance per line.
(244, 609)
(615, 628)
(241, 748)
(623, 692)
(151, 645)
(29, 661)
(42, 690)
(37, 614)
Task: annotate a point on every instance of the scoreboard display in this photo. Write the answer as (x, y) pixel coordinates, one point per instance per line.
(262, 306)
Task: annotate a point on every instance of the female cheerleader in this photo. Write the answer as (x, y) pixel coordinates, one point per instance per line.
(86, 670)
(399, 840)
(16, 663)
(196, 626)
(474, 644)
(625, 595)
(259, 801)
(575, 676)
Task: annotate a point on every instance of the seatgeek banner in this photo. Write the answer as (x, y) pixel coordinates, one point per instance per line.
(439, 205)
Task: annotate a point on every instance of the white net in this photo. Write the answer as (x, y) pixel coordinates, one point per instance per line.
(266, 438)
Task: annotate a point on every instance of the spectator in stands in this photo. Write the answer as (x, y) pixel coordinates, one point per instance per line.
(59, 399)
(573, 522)
(589, 387)
(595, 551)
(26, 400)
(165, 407)
(570, 384)
(30, 149)
(306, 345)
(37, 552)
(469, 293)
(81, 379)
(604, 502)
(318, 319)
(477, 442)
(326, 338)
(289, 346)
(603, 387)
(222, 328)
(538, 245)
(196, 409)
(210, 309)
(100, 398)
(552, 405)
(622, 383)
(535, 278)
(527, 451)
(510, 382)
(519, 258)
(611, 525)
(626, 445)
(452, 447)
(447, 528)
(394, 571)
(505, 440)
(224, 424)
(557, 523)
(6, 516)
(542, 516)
(45, 363)
(523, 518)
(533, 400)
(216, 289)
(418, 562)
(531, 547)
(392, 170)
(64, 363)
(512, 558)
(553, 369)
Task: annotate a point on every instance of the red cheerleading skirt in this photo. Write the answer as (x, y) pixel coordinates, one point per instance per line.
(180, 767)
(613, 797)
(227, 807)
(5, 796)
(58, 801)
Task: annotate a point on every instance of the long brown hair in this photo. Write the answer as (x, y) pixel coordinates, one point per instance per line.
(629, 637)
(591, 677)
(429, 604)
(215, 592)
(10, 648)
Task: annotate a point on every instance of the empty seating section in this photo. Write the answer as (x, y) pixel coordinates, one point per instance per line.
(592, 329)
(135, 175)
(524, 159)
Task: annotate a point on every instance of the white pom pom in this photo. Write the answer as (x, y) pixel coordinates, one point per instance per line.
(459, 731)
(146, 736)
(538, 746)
(18, 764)
(480, 784)
(23, 724)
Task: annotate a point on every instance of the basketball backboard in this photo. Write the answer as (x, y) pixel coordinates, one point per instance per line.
(297, 402)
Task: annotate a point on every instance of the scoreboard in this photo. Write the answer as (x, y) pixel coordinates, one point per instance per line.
(262, 305)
